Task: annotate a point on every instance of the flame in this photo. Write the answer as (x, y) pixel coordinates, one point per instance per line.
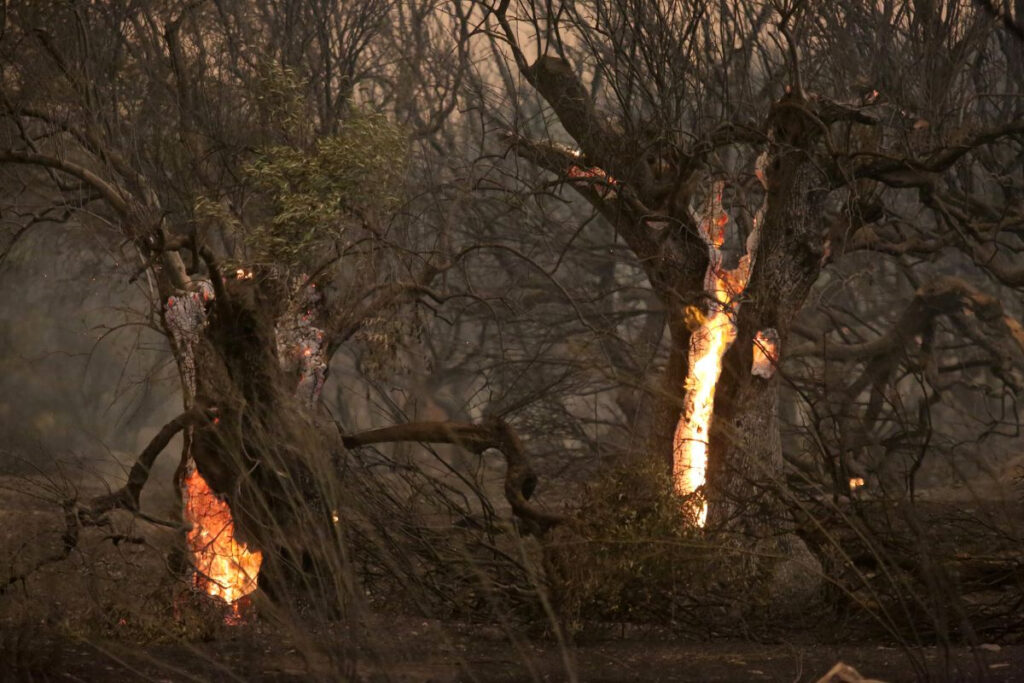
(707, 346)
(856, 483)
(225, 567)
(712, 335)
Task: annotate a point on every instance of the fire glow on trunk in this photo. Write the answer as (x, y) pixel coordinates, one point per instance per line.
(713, 334)
(225, 567)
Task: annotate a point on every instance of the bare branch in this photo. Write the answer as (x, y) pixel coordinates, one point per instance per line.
(520, 480)
(127, 497)
(921, 172)
(113, 195)
(942, 296)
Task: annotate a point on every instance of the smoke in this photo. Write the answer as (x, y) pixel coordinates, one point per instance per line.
(84, 381)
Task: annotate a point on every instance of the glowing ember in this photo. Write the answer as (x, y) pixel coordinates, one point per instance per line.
(602, 183)
(856, 483)
(225, 567)
(766, 353)
(713, 334)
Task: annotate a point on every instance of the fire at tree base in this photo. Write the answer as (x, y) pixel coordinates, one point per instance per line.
(224, 567)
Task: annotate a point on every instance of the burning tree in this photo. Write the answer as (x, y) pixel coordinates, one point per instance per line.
(224, 154)
(254, 166)
(752, 148)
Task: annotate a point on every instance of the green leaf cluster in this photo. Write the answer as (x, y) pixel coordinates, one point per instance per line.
(279, 98)
(316, 196)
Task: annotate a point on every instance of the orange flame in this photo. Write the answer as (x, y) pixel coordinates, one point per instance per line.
(225, 567)
(708, 344)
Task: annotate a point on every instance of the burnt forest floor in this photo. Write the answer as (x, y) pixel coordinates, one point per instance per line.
(102, 613)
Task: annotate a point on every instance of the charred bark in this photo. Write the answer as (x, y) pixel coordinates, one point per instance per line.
(745, 469)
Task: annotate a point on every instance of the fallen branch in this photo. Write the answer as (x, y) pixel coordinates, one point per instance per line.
(126, 498)
(520, 479)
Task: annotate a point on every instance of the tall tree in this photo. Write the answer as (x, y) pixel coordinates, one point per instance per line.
(251, 165)
(740, 150)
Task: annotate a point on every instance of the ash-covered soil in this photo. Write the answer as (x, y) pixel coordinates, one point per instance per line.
(413, 650)
(118, 612)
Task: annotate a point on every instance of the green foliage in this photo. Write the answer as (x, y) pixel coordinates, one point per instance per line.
(317, 195)
(279, 98)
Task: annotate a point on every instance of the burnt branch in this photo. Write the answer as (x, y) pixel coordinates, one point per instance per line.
(127, 497)
(384, 298)
(88, 139)
(977, 316)
(942, 296)
(922, 172)
(617, 202)
(520, 479)
(557, 159)
(558, 84)
(985, 255)
(554, 79)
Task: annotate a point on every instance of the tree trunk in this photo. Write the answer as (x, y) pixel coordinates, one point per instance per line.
(668, 401)
(266, 453)
(746, 484)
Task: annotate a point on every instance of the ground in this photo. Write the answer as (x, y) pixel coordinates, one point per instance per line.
(418, 651)
(115, 613)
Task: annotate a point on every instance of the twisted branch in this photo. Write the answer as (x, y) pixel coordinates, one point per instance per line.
(520, 479)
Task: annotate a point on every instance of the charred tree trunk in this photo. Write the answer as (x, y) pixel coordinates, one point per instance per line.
(746, 484)
(266, 453)
(745, 471)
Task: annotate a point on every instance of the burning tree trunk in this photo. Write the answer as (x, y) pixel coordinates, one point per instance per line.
(256, 481)
(716, 418)
(712, 338)
(746, 475)
(224, 566)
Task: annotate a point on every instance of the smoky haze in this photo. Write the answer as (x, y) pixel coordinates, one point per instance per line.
(83, 378)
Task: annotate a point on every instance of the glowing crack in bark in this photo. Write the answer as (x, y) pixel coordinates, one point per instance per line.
(594, 177)
(714, 333)
(602, 183)
(225, 567)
